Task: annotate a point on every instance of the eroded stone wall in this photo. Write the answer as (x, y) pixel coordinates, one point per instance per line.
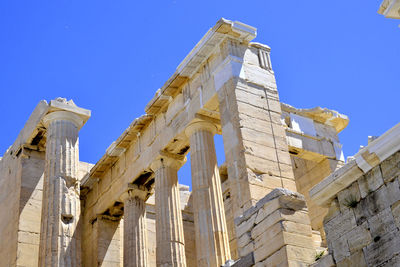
(362, 226)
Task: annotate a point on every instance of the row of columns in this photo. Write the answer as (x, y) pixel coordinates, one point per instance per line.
(212, 243)
(60, 242)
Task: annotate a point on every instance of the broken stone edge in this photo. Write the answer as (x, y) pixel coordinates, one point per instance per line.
(367, 158)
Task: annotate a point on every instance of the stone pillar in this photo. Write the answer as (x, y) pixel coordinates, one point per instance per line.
(256, 149)
(135, 231)
(212, 243)
(60, 238)
(169, 226)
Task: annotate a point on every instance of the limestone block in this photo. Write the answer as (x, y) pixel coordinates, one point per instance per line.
(244, 240)
(375, 202)
(370, 181)
(255, 124)
(340, 225)
(245, 226)
(262, 166)
(355, 259)
(297, 228)
(340, 248)
(257, 150)
(279, 215)
(358, 237)
(262, 250)
(264, 139)
(299, 254)
(246, 249)
(382, 249)
(333, 211)
(382, 223)
(27, 255)
(396, 213)
(391, 167)
(253, 111)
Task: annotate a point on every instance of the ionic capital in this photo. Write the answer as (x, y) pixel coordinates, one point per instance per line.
(165, 159)
(200, 126)
(63, 115)
(133, 191)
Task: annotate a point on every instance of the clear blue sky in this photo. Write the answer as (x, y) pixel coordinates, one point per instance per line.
(111, 57)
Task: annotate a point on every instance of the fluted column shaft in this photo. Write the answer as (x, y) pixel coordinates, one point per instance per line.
(135, 230)
(169, 226)
(60, 238)
(212, 242)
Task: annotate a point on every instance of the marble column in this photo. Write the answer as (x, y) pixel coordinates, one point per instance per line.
(135, 230)
(212, 242)
(60, 238)
(169, 226)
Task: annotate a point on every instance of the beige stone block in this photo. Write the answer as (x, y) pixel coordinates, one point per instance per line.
(274, 106)
(246, 249)
(264, 139)
(27, 255)
(284, 157)
(279, 258)
(267, 209)
(260, 151)
(370, 181)
(255, 124)
(289, 184)
(248, 98)
(333, 211)
(262, 166)
(281, 143)
(253, 111)
(286, 171)
(246, 225)
(297, 228)
(28, 238)
(280, 215)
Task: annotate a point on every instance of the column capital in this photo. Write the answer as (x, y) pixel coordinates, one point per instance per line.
(200, 126)
(135, 191)
(63, 115)
(166, 159)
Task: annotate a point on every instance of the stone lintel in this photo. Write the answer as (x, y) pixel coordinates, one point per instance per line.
(200, 53)
(367, 158)
(323, 115)
(168, 159)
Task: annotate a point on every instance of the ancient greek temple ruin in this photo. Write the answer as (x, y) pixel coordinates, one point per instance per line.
(254, 210)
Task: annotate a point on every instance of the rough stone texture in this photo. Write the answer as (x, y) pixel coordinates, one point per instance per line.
(363, 229)
(277, 229)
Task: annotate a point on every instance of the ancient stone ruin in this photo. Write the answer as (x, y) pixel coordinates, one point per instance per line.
(255, 210)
